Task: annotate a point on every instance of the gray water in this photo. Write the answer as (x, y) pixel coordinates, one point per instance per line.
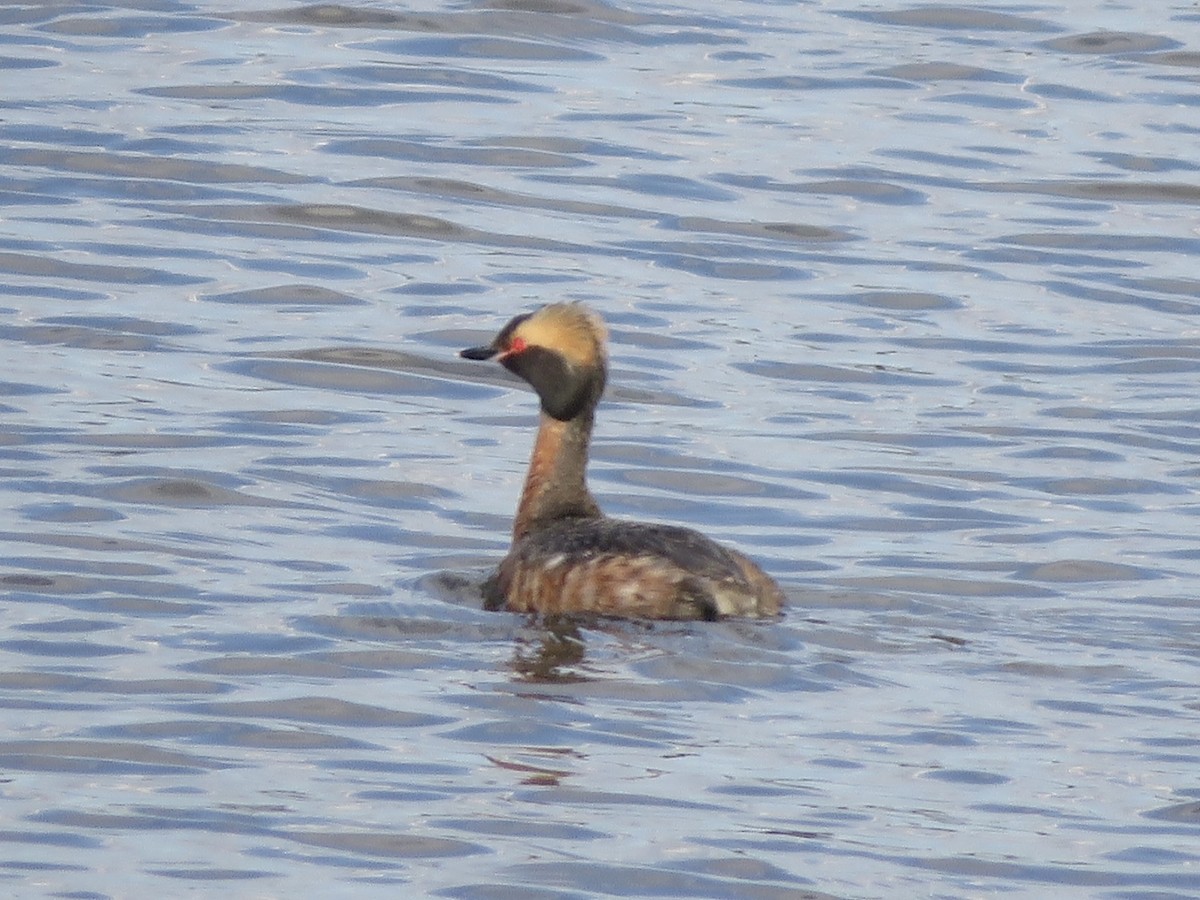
(905, 304)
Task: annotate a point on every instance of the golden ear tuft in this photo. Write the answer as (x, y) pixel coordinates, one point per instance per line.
(570, 329)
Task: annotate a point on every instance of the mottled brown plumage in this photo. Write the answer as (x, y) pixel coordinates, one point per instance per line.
(566, 555)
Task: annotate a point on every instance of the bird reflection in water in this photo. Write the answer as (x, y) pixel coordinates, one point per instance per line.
(553, 654)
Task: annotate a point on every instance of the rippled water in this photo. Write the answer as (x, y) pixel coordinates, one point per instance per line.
(904, 302)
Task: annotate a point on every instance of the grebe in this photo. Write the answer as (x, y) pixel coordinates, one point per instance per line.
(566, 555)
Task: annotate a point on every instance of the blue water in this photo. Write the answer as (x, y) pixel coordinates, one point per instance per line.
(903, 304)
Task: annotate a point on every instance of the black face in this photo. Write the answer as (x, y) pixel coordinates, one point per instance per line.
(564, 390)
(560, 386)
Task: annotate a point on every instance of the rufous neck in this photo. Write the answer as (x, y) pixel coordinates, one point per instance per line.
(556, 484)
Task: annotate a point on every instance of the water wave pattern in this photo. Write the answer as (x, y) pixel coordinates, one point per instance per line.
(904, 303)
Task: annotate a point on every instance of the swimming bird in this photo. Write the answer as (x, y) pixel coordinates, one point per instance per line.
(566, 555)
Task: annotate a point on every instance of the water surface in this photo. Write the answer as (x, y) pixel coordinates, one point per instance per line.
(903, 304)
